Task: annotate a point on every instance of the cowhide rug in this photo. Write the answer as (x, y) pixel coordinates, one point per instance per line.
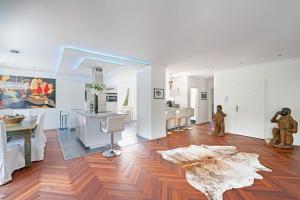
(215, 169)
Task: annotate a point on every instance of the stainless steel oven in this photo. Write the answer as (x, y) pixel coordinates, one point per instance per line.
(111, 97)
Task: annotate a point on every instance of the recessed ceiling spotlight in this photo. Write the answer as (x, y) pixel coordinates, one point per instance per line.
(15, 51)
(279, 55)
(241, 62)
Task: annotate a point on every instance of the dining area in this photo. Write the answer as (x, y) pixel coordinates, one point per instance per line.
(22, 141)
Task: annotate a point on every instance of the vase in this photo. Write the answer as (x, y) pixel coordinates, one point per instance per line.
(96, 104)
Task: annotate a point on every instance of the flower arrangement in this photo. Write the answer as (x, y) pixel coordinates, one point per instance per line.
(98, 88)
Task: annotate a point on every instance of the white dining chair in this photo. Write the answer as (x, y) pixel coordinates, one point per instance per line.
(40, 128)
(114, 124)
(11, 158)
(38, 142)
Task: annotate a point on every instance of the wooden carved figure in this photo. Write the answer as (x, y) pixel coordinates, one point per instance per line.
(283, 134)
(219, 125)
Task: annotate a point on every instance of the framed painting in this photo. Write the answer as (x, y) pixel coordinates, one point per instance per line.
(159, 93)
(203, 95)
(17, 92)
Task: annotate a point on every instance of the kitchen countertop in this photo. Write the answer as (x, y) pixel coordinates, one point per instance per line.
(101, 114)
(168, 108)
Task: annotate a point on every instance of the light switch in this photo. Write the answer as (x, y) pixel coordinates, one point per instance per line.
(226, 99)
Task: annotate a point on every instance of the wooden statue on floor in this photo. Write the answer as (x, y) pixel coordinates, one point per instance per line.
(283, 135)
(219, 124)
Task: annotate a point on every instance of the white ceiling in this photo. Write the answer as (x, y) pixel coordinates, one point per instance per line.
(183, 35)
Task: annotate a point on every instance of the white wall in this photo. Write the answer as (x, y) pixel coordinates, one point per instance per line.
(122, 79)
(69, 95)
(150, 111)
(144, 102)
(282, 79)
(158, 106)
(210, 98)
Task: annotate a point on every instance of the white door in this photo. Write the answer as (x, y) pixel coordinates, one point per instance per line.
(249, 108)
(194, 102)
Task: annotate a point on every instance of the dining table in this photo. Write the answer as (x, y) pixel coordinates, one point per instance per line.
(23, 129)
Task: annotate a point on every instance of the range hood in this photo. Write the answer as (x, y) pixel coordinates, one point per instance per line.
(97, 75)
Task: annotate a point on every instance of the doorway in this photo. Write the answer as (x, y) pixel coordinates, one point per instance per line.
(194, 103)
(249, 108)
(212, 104)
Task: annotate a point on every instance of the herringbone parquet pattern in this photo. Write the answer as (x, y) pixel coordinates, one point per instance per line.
(140, 173)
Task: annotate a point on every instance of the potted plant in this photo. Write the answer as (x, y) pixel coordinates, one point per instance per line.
(97, 89)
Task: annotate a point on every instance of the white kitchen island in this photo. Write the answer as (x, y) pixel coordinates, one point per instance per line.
(88, 128)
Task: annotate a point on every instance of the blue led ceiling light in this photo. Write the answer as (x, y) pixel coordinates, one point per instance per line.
(128, 59)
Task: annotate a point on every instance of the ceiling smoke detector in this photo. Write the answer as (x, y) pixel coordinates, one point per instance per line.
(15, 51)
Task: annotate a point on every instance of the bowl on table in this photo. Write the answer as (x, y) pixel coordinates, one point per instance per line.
(9, 120)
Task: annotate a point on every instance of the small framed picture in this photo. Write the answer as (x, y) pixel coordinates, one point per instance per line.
(203, 95)
(159, 93)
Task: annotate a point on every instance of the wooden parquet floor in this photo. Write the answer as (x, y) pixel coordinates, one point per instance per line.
(141, 174)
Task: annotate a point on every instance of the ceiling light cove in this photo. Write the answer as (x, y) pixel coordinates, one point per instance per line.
(128, 59)
(97, 60)
(78, 61)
